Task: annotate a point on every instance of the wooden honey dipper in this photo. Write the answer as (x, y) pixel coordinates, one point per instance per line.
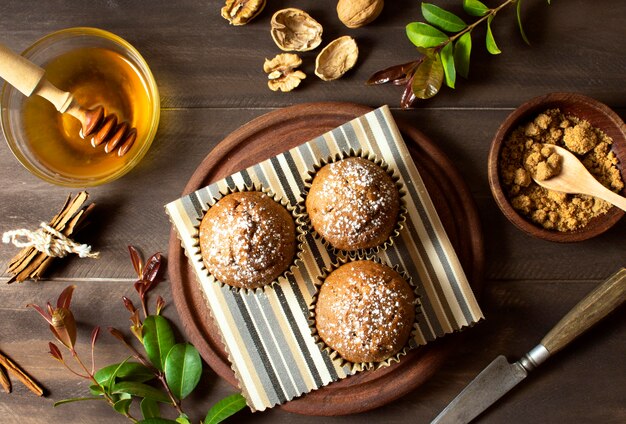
(30, 80)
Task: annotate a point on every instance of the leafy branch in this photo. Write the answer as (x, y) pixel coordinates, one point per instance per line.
(166, 374)
(445, 42)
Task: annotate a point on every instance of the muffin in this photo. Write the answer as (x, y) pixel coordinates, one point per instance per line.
(365, 311)
(247, 239)
(353, 204)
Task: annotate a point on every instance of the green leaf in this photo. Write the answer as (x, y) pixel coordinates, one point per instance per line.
(122, 406)
(442, 18)
(158, 339)
(518, 11)
(111, 381)
(149, 408)
(428, 78)
(225, 408)
(96, 390)
(156, 420)
(140, 390)
(492, 47)
(183, 368)
(183, 419)
(128, 371)
(424, 35)
(78, 399)
(475, 8)
(462, 50)
(447, 60)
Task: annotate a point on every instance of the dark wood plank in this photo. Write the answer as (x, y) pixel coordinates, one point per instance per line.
(517, 318)
(201, 61)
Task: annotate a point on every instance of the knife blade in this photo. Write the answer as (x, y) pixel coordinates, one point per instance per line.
(500, 376)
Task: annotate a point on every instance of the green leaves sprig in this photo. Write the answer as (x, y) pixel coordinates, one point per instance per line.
(445, 42)
(165, 375)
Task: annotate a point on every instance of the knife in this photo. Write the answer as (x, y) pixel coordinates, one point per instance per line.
(500, 376)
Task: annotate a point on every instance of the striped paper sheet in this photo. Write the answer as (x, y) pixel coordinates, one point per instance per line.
(266, 333)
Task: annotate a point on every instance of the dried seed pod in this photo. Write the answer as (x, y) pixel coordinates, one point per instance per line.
(240, 12)
(282, 72)
(336, 58)
(295, 30)
(357, 13)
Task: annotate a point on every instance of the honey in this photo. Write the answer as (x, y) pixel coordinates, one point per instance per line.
(95, 76)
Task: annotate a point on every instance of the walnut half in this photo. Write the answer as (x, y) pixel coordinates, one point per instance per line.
(295, 30)
(240, 12)
(336, 58)
(282, 72)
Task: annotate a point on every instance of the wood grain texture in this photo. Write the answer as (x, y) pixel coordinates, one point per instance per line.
(211, 82)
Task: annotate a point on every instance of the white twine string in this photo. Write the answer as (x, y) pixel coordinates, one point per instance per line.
(49, 241)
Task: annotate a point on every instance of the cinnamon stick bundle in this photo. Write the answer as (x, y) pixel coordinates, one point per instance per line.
(30, 263)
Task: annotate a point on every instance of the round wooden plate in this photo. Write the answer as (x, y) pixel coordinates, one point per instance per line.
(281, 130)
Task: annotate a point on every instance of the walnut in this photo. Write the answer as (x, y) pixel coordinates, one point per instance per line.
(282, 72)
(295, 30)
(336, 58)
(240, 12)
(357, 13)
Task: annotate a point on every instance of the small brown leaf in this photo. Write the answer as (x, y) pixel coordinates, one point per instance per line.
(394, 74)
(117, 334)
(65, 298)
(151, 269)
(135, 257)
(160, 304)
(140, 287)
(46, 316)
(408, 97)
(129, 305)
(64, 327)
(55, 352)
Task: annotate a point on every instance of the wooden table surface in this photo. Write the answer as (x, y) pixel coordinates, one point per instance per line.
(211, 82)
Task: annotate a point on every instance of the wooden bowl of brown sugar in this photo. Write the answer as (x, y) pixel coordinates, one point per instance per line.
(574, 121)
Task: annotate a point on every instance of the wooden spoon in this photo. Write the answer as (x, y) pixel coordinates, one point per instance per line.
(574, 178)
(29, 79)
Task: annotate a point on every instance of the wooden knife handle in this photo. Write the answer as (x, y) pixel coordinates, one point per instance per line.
(595, 306)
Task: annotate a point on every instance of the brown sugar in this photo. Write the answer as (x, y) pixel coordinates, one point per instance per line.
(543, 162)
(524, 155)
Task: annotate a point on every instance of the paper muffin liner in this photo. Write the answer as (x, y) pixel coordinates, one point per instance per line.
(333, 354)
(298, 223)
(402, 212)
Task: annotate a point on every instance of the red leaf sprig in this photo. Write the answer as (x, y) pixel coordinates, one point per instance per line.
(147, 274)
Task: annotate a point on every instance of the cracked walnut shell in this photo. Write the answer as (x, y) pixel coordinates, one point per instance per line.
(282, 72)
(357, 13)
(240, 12)
(295, 30)
(337, 58)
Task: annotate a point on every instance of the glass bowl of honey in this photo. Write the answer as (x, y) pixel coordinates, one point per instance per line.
(100, 69)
